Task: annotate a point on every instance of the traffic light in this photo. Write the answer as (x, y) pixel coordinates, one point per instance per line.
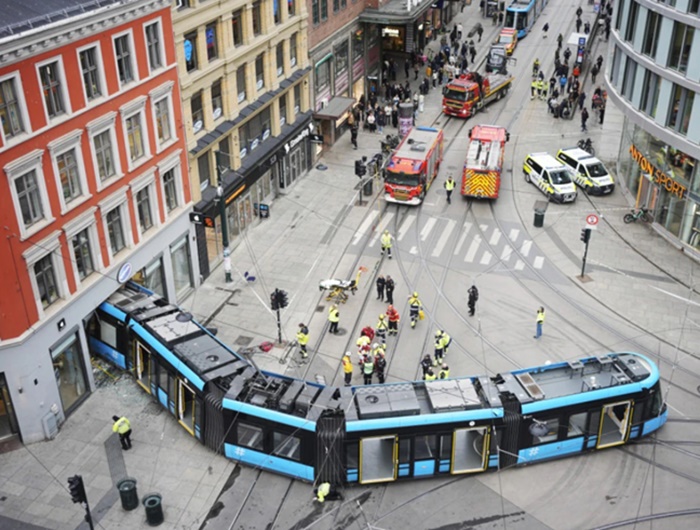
(585, 235)
(282, 300)
(76, 488)
(274, 304)
(360, 169)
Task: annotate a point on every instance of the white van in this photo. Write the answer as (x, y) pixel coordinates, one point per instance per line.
(589, 172)
(553, 178)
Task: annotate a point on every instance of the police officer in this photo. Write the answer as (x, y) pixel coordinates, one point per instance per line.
(446, 341)
(381, 282)
(473, 297)
(426, 364)
(333, 318)
(444, 372)
(429, 375)
(368, 369)
(381, 329)
(393, 315)
(386, 243)
(449, 186)
(347, 368)
(439, 350)
(533, 87)
(415, 305)
(122, 426)
(303, 339)
(379, 362)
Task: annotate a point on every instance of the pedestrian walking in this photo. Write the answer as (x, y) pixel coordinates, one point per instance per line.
(601, 114)
(579, 12)
(416, 70)
(333, 318)
(599, 62)
(380, 364)
(594, 73)
(426, 364)
(462, 6)
(353, 135)
(393, 315)
(560, 39)
(584, 119)
(472, 51)
(545, 29)
(386, 243)
(479, 30)
(347, 368)
(122, 427)
(381, 283)
(407, 67)
(303, 339)
(540, 322)
(449, 186)
(368, 369)
(578, 25)
(390, 289)
(567, 55)
(586, 27)
(460, 28)
(444, 372)
(581, 100)
(414, 308)
(473, 293)
(381, 329)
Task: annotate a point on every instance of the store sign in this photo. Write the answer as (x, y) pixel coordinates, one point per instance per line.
(298, 138)
(657, 176)
(124, 272)
(390, 32)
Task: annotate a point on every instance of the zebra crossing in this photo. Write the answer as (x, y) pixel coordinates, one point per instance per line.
(478, 245)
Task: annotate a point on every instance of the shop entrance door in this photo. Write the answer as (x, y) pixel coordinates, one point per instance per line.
(8, 421)
(245, 212)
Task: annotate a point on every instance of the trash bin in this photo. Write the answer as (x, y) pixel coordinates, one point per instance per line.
(128, 494)
(367, 188)
(539, 218)
(154, 509)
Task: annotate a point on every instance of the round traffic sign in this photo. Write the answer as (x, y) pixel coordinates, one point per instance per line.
(592, 219)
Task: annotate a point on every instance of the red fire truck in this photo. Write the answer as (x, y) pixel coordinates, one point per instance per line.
(413, 166)
(469, 93)
(481, 177)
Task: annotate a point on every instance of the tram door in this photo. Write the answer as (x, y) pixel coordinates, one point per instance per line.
(470, 450)
(186, 405)
(614, 425)
(378, 459)
(142, 366)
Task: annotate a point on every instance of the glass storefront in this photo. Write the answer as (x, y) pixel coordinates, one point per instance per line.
(8, 421)
(394, 38)
(664, 179)
(182, 272)
(69, 371)
(152, 277)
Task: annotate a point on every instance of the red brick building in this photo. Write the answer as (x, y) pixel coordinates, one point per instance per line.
(95, 189)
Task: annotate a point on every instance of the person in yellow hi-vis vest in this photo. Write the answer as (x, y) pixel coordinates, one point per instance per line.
(122, 426)
(414, 308)
(386, 243)
(333, 318)
(540, 323)
(449, 186)
(303, 339)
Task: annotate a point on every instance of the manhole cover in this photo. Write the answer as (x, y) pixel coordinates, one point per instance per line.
(243, 340)
(320, 308)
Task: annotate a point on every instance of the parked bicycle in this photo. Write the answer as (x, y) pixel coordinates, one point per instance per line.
(645, 214)
(587, 145)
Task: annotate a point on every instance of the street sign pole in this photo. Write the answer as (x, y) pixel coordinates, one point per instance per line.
(279, 327)
(585, 254)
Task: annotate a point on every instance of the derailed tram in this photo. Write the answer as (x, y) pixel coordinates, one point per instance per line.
(376, 433)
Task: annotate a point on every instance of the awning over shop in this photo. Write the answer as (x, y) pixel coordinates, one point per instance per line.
(335, 109)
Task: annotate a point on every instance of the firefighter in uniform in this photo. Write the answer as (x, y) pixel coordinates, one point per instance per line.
(368, 369)
(303, 339)
(393, 316)
(446, 341)
(386, 243)
(415, 305)
(444, 372)
(381, 329)
(347, 368)
(333, 318)
(363, 346)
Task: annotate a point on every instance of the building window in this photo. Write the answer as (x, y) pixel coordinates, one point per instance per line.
(162, 108)
(293, 50)
(46, 281)
(297, 99)
(134, 135)
(291, 4)
(276, 12)
(204, 170)
(257, 19)
(315, 11)
(631, 21)
(10, 111)
(190, 45)
(104, 155)
(182, 274)
(197, 112)
(651, 34)
(170, 190)
(280, 59)
(237, 27)
(324, 10)
(83, 254)
(693, 7)
(155, 57)
(122, 50)
(29, 198)
(628, 78)
(115, 230)
(336, 6)
(143, 207)
(259, 72)
(69, 175)
(681, 108)
(53, 92)
(69, 372)
(91, 78)
(217, 100)
(650, 96)
(240, 83)
(323, 75)
(358, 45)
(212, 47)
(283, 108)
(341, 58)
(680, 47)
(256, 130)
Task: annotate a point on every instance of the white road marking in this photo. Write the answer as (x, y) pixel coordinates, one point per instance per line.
(414, 251)
(429, 224)
(519, 265)
(539, 261)
(443, 238)
(364, 227)
(486, 258)
(495, 238)
(405, 226)
(505, 255)
(525, 249)
(466, 228)
(471, 253)
(514, 233)
(380, 228)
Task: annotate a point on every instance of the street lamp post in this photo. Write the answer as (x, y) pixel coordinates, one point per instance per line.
(222, 213)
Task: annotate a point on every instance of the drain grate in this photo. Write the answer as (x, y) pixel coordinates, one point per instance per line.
(243, 340)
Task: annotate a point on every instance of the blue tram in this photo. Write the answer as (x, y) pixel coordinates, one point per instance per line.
(522, 14)
(377, 433)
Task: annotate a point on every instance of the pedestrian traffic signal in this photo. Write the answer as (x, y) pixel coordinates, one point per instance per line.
(585, 235)
(76, 488)
(282, 300)
(274, 305)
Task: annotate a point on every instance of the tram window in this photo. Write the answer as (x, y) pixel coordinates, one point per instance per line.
(593, 422)
(445, 447)
(172, 388)
(577, 424)
(426, 447)
(250, 436)
(656, 401)
(638, 412)
(286, 445)
(404, 450)
(351, 455)
(550, 435)
(162, 378)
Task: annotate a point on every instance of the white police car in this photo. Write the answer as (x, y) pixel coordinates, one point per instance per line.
(551, 176)
(589, 172)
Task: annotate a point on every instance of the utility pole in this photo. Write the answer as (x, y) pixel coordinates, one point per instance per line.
(585, 237)
(222, 213)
